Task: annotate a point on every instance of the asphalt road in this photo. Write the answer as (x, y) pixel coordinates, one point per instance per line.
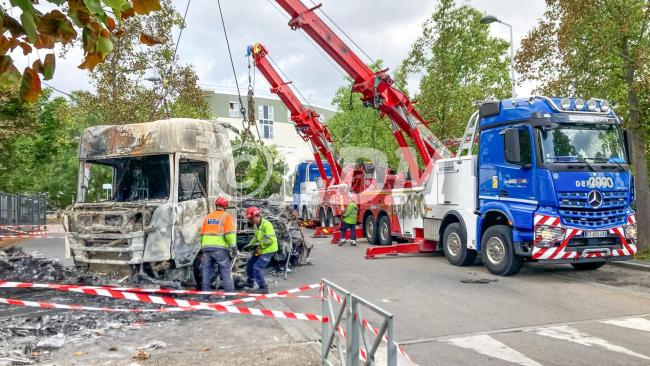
(542, 316)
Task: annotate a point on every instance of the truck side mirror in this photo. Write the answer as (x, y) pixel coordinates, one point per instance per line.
(627, 136)
(512, 148)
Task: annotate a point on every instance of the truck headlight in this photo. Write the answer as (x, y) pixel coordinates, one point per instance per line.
(547, 236)
(630, 232)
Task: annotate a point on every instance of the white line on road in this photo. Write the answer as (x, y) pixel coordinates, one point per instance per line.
(632, 323)
(566, 333)
(488, 346)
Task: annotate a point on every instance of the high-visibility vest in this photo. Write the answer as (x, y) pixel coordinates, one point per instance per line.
(218, 230)
(350, 214)
(265, 236)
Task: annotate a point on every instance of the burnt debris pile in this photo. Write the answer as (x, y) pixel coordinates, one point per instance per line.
(29, 334)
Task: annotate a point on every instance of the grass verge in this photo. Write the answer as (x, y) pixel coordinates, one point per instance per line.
(643, 255)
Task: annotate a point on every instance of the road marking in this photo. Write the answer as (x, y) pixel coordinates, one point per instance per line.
(566, 333)
(631, 323)
(488, 346)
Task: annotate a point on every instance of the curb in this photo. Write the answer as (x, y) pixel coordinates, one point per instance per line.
(635, 265)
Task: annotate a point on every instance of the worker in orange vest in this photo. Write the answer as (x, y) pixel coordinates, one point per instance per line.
(219, 245)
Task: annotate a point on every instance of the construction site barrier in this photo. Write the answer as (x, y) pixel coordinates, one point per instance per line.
(23, 212)
(357, 346)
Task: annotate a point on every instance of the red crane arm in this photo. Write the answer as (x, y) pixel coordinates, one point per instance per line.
(375, 87)
(306, 120)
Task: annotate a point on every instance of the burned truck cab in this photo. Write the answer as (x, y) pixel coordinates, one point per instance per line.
(143, 191)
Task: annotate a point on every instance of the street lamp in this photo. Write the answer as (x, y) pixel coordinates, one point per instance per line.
(492, 19)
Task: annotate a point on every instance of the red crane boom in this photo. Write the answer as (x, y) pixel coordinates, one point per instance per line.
(306, 120)
(375, 87)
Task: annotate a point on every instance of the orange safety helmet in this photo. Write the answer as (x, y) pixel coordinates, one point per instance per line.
(252, 212)
(221, 201)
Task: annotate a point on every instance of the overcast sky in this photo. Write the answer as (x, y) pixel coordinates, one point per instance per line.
(384, 28)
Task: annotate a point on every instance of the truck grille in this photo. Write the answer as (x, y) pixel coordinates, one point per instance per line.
(576, 212)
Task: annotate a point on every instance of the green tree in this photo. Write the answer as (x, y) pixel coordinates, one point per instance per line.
(123, 95)
(51, 23)
(260, 168)
(459, 63)
(357, 126)
(598, 48)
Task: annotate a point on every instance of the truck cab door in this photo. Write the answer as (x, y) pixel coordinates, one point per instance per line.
(516, 172)
(191, 175)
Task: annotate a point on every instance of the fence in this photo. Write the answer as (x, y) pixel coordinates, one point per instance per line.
(22, 212)
(351, 333)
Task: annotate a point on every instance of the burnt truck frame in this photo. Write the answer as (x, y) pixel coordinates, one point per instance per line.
(151, 223)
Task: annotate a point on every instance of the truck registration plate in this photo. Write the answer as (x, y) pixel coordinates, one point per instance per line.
(595, 234)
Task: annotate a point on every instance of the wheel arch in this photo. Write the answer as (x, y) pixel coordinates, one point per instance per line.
(491, 217)
(450, 218)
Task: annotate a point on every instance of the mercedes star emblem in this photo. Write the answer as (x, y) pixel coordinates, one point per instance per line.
(595, 199)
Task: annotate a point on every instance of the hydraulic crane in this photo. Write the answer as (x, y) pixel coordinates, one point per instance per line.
(375, 87)
(308, 126)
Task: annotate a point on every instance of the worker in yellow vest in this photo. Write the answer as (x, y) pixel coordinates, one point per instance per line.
(349, 221)
(266, 244)
(219, 246)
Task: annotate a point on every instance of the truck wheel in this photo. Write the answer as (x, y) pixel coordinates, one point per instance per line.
(587, 266)
(330, 218)
(383, 231)
(370, 230)
(498, 252)
(305, 214)
(454, 244)
(321, 217)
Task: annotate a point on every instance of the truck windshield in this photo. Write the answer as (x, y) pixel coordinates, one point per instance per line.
(569, 143)
(126, 179)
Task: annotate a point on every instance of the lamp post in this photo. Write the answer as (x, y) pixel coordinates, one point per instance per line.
(492, 19)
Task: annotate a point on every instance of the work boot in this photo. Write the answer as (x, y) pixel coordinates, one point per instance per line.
(342, 242)
(353, 243)
(261, 290)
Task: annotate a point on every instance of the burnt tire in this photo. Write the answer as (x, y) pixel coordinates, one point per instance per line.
(383, 231)
(497, 251)
(454, 245)
(590, 266)
(370, 230)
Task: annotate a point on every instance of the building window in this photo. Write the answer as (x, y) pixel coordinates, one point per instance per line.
(233, 110)
(266, 121)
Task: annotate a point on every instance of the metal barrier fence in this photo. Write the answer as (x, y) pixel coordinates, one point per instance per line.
(343, 307)
(22, 213)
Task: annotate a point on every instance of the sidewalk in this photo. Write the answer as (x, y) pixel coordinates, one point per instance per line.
(206, 339)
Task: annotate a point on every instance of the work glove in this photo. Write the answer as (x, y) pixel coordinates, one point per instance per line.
(232, 251)
(258, 252)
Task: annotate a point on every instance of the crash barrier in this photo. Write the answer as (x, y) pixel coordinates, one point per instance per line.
(22, 212)
(342, 307)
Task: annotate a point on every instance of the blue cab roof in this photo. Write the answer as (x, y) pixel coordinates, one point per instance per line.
(523, 109)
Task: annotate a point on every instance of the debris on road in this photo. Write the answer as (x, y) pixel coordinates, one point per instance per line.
(479, 280)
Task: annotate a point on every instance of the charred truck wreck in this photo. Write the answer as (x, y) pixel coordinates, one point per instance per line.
(143, 191)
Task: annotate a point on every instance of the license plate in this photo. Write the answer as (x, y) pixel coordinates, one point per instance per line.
(595, 234)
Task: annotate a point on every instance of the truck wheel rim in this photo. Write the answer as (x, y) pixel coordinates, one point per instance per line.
(495, 250)
(370, 229)
(383, 231)
(453, 245)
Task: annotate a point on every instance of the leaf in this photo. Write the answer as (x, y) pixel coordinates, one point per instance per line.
(9, 74)
(104, 46)
(13, 26)
(7, 44)
(57, 25)
(79, 12)
(127, 13)
(110, 23)
(38, 66)
(49, 66)
(27, 49)
(150, 40)
(28, 20)
(24, 5)
(95, 8)
(5, 63)
(117, 6)
(145, 7)
(44, 41)
(30, 86)
(91, 60)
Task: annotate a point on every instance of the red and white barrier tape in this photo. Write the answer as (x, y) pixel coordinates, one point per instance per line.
(49, 305)
(7, 284)
(188, 304)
